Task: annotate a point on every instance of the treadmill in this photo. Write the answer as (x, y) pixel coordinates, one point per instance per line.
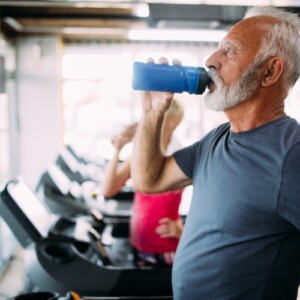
(64, 196)
(68, 254)
(95, 163)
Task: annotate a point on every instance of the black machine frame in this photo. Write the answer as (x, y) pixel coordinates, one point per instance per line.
(62, 262)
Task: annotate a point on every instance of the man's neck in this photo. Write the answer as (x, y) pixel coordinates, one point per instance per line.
(254, 113)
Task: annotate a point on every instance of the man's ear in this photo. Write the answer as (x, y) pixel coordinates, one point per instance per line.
(273, 71)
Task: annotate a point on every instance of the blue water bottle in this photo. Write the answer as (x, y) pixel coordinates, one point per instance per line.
(169, 78)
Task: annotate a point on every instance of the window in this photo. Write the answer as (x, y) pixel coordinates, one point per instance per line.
(98, 98)
(7, 240)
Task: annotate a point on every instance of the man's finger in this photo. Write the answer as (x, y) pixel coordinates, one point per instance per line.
(176, 62)
(150, 60)
(163, 61)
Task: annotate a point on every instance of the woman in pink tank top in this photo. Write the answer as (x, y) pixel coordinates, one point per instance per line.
(155, 225)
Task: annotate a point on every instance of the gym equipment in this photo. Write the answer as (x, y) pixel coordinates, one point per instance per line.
(63, 196)
(74, 296)
(63, 253)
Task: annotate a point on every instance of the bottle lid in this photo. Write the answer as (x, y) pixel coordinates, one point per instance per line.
(204, 81)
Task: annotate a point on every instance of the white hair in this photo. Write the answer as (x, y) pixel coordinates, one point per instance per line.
(282, 39)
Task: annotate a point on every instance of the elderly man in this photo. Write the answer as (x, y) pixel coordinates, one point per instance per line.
(245, 173)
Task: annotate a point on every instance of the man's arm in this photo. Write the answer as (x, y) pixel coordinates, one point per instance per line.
(151, 170)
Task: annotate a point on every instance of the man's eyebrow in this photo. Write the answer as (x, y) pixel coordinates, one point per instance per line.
(227, 43)
(233, 45)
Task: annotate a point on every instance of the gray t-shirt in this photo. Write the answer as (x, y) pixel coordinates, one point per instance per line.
(246, 199)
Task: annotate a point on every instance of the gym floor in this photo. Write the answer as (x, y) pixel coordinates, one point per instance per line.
(13, 278)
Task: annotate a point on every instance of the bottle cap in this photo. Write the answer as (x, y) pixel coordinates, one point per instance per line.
(204, 81)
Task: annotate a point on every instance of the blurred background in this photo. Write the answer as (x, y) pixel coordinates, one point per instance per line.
(66, 72)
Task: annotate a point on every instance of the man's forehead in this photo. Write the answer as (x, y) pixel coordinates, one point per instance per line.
(256, 23)
(236, 39)
(248, 31)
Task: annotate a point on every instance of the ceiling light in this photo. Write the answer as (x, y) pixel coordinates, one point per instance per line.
(204, 35)
(13, 23)
(93, 31)
(141, 10)
(224, 2)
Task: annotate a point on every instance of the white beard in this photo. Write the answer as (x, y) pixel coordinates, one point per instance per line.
(224, 96)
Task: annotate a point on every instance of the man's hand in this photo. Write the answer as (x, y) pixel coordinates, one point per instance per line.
(157, 102)
(151, 170)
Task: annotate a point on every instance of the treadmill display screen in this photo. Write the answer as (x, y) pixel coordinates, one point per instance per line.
(31, 206)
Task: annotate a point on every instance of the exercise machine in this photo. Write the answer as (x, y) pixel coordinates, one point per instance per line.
(70, 254)
(64, 196)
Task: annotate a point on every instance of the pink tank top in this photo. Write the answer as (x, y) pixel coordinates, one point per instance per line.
(147, 210)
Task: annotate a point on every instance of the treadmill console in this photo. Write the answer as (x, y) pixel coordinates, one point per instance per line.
(24, 213)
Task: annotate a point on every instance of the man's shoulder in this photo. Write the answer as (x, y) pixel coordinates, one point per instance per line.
(218, 131)
(291, 130)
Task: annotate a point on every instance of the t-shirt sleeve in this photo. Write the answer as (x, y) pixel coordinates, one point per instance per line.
(289, 197)
(185, 159)
(188, 157)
